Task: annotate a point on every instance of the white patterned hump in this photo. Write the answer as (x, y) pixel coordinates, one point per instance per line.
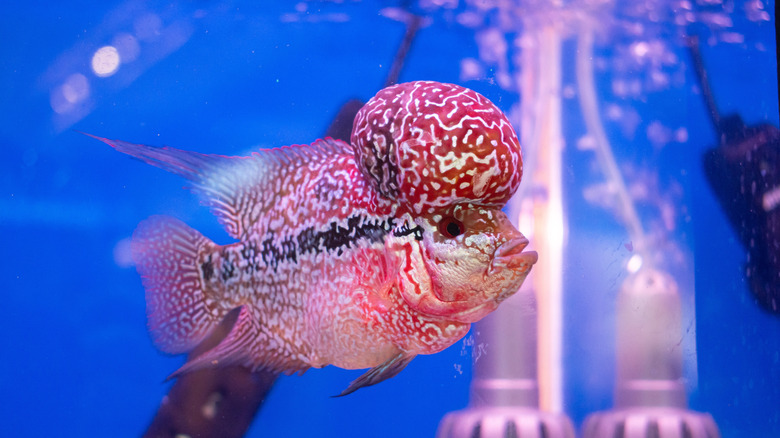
(231, 184)
(429, 145)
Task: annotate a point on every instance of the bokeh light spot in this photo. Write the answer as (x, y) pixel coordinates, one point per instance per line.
(76, 88)
(105, 61)
(72, 92)
(634, 263)
(127, 46)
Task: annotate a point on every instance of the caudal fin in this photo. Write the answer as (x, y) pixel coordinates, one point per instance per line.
(165, 251)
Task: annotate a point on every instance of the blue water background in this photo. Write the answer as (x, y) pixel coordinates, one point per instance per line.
(77, 360)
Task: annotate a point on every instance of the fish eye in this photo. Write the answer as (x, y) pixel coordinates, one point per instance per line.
(451, 227)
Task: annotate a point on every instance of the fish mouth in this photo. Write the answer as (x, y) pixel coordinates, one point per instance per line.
(509, 261)
(475, 314)
(510, 255)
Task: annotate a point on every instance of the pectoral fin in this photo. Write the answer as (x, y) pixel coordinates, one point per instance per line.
(381, 372)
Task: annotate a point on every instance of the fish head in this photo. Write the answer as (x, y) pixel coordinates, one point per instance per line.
(449, 159)
(472, 258)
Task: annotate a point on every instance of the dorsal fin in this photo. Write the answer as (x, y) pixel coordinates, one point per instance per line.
(231, 183)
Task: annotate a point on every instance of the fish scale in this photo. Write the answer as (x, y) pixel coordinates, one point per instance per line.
(360, 255)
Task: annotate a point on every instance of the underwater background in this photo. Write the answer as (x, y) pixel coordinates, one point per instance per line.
(228, 77)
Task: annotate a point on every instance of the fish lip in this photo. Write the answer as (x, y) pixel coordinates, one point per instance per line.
(510, 255)
(511, 246)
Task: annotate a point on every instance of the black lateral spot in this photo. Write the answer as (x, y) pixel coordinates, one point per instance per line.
(288, 250)
(271, 254)
(405, 230)
(228, 268)
(249, 254)
(207, 268)
(308, 241)
(336, 238)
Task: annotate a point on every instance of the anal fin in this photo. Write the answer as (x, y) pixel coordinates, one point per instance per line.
(379, 373)
(234, 349)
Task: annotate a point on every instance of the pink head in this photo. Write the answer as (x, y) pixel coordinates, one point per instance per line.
(451, 160)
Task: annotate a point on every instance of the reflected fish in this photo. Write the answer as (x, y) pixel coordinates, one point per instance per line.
(360, 255)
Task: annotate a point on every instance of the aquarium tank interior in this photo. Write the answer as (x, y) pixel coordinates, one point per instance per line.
(650, 192)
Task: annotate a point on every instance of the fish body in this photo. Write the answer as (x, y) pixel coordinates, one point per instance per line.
(358, 256)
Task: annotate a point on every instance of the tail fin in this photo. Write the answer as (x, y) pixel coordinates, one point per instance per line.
(165, 251)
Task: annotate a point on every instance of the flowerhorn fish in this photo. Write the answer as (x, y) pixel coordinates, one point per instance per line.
(358, 256)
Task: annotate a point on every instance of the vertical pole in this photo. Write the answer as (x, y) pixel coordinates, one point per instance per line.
(542, 137)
